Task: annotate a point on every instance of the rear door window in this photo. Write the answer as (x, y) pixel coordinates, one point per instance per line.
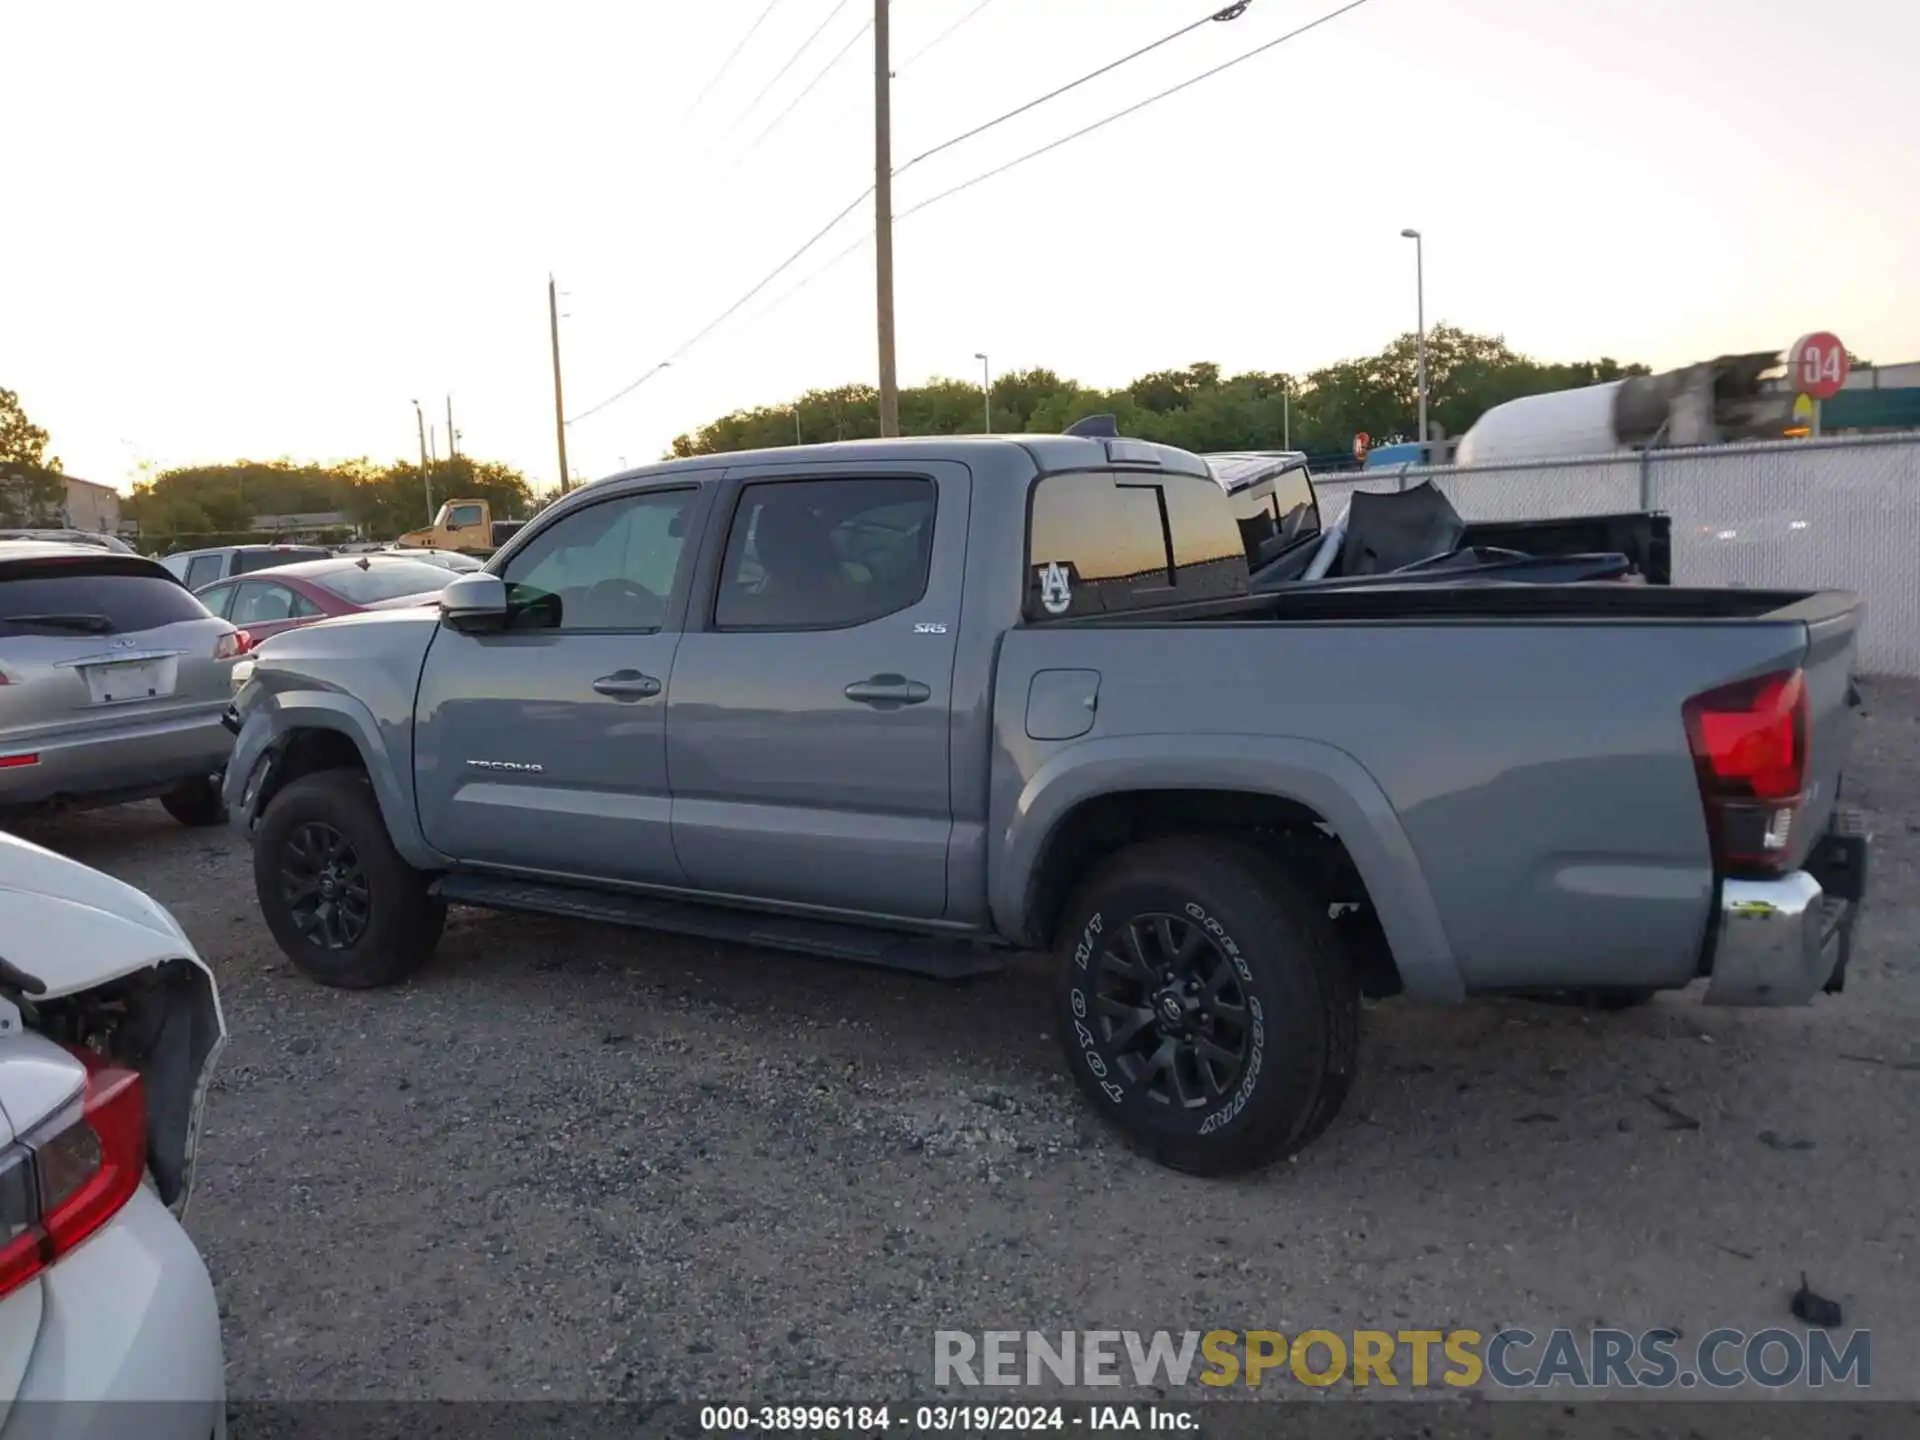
(1103, 542)
(205, 569)
(826, 554)
(87, 597)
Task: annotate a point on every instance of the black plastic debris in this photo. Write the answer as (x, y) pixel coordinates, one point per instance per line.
(1677, 1119)
(1815, 1309)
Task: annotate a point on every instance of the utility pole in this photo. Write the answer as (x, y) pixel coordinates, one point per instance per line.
(883, 215)
(453, 440)
(426, 479)
(559, 401)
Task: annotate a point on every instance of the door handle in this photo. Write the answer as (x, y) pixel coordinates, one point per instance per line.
(888, 690)
(627, 685)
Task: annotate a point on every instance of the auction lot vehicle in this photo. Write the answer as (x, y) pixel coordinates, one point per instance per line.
(113, 680)
(463, 527)
(110, 1027)
(294, 595)
(196, 569)
(900, 701)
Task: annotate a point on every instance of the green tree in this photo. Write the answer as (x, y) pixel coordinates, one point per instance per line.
(1196, 407)
(196, 505)
(32, 489)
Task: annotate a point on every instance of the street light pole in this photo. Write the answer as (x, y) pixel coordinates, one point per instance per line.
(986, 389)
(426, 479)
(1420, 312)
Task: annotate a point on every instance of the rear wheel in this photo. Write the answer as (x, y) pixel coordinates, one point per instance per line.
(196, 803)
(1206, 1006)
(343, 905)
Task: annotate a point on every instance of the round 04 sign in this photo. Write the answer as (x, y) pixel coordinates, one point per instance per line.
(1818, 365)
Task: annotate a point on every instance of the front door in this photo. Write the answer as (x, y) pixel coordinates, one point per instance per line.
(543, 748)
(807, 731)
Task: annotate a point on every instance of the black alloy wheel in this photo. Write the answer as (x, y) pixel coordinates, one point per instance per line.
(1171, 1011)
(325, 886)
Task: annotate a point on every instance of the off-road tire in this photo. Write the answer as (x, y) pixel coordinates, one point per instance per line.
(1300, 1000)
(402, 921)
(197, 803)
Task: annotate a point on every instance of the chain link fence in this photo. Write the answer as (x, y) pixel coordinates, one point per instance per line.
(1840, 513)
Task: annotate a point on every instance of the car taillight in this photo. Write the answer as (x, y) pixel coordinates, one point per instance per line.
(72, 1174)
(1749, 743)
(233, 646)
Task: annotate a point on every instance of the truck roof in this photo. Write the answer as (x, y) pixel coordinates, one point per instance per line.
(1048, 453)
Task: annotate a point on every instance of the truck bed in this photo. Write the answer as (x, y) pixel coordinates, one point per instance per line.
(1528, 741)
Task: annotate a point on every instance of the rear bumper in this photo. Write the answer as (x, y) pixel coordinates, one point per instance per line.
(145, 756)
(129, 1344)
(1784, 941)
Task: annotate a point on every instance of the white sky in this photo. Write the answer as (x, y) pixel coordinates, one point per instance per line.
(244, 229)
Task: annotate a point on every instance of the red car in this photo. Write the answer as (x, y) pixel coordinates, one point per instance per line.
(286, 597)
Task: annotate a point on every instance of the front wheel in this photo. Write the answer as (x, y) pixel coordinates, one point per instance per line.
(1206, 1006)
(343, 905)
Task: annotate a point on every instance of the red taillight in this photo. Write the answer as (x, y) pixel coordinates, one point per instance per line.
(233, 646)
(73, 1174)
(15, 762)
(1749, 743)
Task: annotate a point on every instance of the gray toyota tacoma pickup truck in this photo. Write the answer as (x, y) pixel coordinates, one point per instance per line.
(902, 702)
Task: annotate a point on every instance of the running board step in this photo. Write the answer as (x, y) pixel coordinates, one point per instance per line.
(884, 949)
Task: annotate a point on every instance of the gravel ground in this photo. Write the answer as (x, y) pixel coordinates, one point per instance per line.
(575, 1162)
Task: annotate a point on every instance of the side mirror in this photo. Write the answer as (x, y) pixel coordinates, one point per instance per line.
(473, 603)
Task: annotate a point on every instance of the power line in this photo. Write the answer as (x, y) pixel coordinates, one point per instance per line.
(1130, 110)
(730, 311)
(1231, 12)
(733, 55)
(953, 190)
(792, 59)
(825, 70)
(942, 37)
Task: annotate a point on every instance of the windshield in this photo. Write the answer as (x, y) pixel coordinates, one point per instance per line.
(383, 582)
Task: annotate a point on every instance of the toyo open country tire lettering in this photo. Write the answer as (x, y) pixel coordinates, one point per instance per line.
(1206, 1006)
(343, 905)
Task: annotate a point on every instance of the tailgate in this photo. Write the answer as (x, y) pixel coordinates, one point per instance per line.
(1833, 621)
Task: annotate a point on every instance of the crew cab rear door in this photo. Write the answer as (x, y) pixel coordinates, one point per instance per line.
(807, 725)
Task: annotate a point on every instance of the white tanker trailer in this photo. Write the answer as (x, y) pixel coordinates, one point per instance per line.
(1713, 403)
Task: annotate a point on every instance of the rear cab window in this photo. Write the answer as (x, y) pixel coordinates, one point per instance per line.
(1104, 542)
(84, 595)
(1275, 510)
(247, 561)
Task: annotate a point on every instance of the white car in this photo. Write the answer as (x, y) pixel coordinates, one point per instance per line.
(110, 1026)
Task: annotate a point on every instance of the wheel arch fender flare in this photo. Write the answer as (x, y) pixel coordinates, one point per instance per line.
(1312, 773)
(263, 741)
